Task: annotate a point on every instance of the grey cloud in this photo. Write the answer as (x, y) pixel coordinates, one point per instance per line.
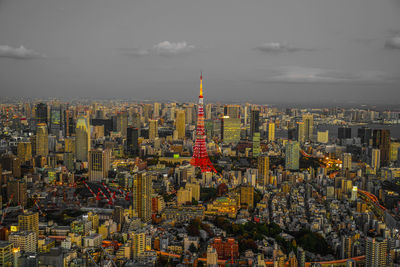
(164, 48)
(135, 51)
(18, 52)
(171, 48)
(276, 47)
(393, 42)
(319, 75)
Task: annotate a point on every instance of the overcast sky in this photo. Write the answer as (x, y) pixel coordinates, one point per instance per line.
(249, 50)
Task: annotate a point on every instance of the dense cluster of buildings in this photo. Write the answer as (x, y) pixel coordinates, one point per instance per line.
(110, 183)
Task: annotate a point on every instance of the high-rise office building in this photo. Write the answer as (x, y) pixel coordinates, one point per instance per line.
(122, 123)
(41, 113)
(247, 196)
(271, 132)
(263, 170)
(308, 120)
(292, 155)
(55, 125)
(394, 151)
(156, 110)
(230, 129)
(132, 141)
(346, 161)
(344, 133)
(346, 247)
(375, 252)
(301, 132)
(141, 191)
(153, 129)
(136, 120)
(208, 114)
(232, 111)
(180, 124)
(365, 134)
(82, 139)
(42, 140)
(24, 151)
(375, 159)
(323, 137)
(99, 164)
(29, 221)
(381, 141)
(17, 189)
(254, 122)
(147, 112)
(256, 145)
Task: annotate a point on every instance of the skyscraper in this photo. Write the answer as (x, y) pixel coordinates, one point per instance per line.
(271, 132)
(230, 129)
(263, 170)
(375, 252)
(153, 129)
(41, 113)
(256, 145)
(292, 155)
(82, 140)
(122, 123)
(376, 159)
(254, 122)
(308, 120)
(365, 134)
(42, 140)
(24, 151)
(301, 132)
(55, 124)
(344, 133)
(381, 141)
(247, 196)
(99, 164)
(180, 123)
(233, 111)
(141, 191)
(17, 189)
(346, 161)
(156, 110)
(132, 141)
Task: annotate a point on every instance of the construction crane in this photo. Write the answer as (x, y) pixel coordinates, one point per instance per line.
(6, 209)
(92, 260)
(108, 256)
(38, 207)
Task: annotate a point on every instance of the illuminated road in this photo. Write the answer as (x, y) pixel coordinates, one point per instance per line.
(270, 263)
(373, 200)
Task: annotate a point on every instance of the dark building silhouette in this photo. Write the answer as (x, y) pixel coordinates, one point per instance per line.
(344, 133)
(365, 134)
(132, 141)
(41, 113)
(381, 140)
(254, 122)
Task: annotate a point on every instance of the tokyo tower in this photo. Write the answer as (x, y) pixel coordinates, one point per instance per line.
(200, 157)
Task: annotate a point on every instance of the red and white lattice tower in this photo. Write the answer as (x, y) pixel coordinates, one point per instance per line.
(200, 157)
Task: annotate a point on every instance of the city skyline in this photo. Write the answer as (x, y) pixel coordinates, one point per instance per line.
(279, 52)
